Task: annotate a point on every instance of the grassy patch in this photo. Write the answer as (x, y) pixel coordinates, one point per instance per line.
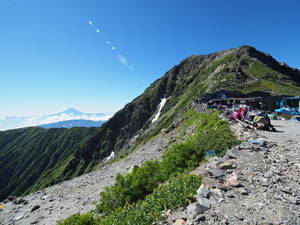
(259, 70)
(177, 193)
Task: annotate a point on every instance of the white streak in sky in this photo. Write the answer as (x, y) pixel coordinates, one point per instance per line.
(122, 59)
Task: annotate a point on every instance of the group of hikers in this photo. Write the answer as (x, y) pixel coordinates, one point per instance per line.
(259, 121)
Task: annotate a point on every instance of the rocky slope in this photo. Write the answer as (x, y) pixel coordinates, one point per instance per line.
(254, 183)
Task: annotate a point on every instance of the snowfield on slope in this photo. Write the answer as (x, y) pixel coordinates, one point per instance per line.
(161, 105)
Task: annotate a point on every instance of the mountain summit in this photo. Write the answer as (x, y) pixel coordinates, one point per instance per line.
(243, 69)
(72, 111)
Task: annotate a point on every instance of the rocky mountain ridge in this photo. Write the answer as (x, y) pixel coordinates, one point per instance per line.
(243, 69)
(73, 123)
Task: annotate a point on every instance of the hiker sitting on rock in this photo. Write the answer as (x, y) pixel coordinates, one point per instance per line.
(237, 115)
(263, 122)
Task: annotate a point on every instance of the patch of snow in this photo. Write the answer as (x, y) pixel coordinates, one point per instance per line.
(111, 156)
(161, 105)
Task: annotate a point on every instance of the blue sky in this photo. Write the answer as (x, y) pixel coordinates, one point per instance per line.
(52, 59)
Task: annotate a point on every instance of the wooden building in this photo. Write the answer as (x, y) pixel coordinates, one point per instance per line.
(256, 100)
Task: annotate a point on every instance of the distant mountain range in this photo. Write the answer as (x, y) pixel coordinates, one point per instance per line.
(73, 123)
(68, 118)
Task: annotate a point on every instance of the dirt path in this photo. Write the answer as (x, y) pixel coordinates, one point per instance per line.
(288, 131)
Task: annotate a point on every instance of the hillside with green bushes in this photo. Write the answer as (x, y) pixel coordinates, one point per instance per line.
(30, 154)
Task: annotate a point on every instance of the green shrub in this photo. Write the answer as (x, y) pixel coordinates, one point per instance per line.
(178, 158)
(130, 188)
(177, 193)
(219, 138)
(85, 219)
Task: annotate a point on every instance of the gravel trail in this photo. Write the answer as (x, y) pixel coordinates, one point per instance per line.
(287, 131)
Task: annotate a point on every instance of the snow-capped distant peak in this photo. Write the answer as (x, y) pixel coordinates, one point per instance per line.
(70, 111)
(7, 123)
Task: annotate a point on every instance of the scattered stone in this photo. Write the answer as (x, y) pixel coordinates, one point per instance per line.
(292, 200)
(221, 200)
(233, 153)
(10, 198)
(232, 180)
(200, 218)
(212, 213)
(268, 174)
(176, 215)
(217, 191)
(194, 209)
(216, 172)
(243, 191)
(179, 222)
(209, 183)
(224, 187)
(202, 192)
(286, 190)
(35, 208)
(19, 201)
(17, 218)
(229, 164)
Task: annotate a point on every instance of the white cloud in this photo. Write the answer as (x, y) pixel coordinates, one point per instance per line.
(64, 117)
